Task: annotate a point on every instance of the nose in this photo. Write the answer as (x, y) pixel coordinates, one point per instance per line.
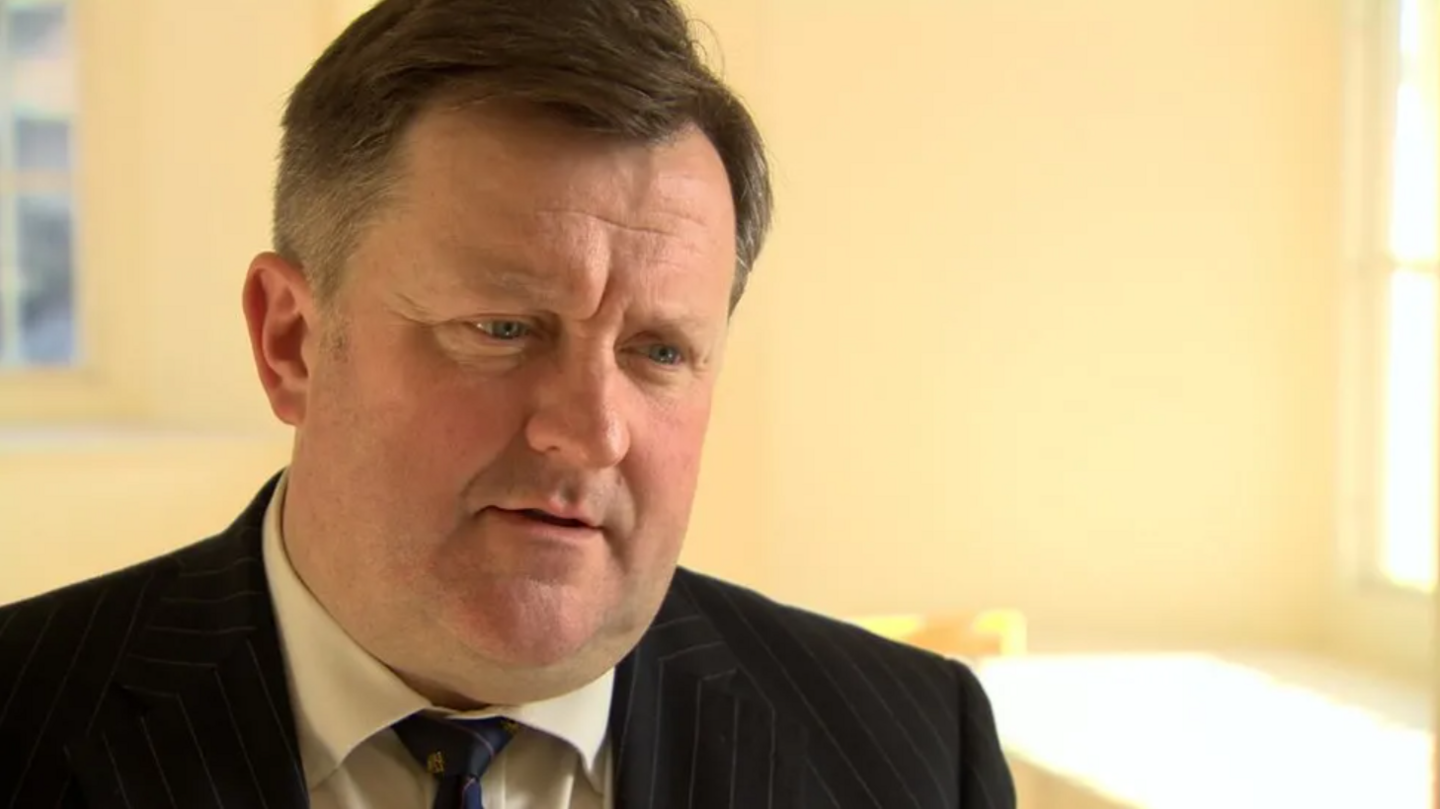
(579, 417)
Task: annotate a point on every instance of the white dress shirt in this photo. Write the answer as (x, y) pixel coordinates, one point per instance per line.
(345, 702)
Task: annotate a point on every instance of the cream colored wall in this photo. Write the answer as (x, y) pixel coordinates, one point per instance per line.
(1387, 629)
(210, 137)
(80, 506)
(1052, 306)
(1047, 320)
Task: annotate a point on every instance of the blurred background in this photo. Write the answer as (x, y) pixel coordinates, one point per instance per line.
(1104, 327)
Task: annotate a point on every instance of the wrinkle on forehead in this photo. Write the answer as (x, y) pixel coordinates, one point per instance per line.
(601, 264)
(627, 226)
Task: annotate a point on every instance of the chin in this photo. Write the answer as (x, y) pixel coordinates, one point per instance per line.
(530, 632)
(526, 654)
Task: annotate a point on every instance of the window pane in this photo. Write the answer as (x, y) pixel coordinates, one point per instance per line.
(47, 316)
(1415, 174)
(42, 144)
(1411, 412)
(1414, 198)
(37, 266)
(1411, 28)
(36, 31)
(9, 295)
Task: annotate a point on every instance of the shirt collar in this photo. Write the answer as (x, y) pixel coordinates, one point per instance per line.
(578, 718)
(342, 695)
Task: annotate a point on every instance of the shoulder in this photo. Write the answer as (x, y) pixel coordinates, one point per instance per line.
(781, 646)
(52, 623)
(70, 641)
(61, 653)
(45, 631)
(58, 653)
(898, 723)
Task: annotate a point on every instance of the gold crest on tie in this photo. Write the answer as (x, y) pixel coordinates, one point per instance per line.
(436, 763)
(510, 726)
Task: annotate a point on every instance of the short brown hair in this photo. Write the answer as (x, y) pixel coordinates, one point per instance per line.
(629, 68)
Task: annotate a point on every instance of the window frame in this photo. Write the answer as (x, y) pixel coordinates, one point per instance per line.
(88, 391)
(1371, 69)
(17, 184)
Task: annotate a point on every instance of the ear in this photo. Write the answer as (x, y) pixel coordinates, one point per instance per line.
(281, 314)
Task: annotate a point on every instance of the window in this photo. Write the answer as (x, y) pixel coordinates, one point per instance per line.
(1394, 287)
(38, 325)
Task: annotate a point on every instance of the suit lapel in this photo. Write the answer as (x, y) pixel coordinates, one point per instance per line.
(688, 728)
(201, 689)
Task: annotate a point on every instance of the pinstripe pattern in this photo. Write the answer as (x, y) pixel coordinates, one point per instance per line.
(734, 701)
(163, 686)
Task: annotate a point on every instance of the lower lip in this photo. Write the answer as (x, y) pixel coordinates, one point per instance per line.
(540, 529)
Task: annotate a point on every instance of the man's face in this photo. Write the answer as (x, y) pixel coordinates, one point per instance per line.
(503, 420)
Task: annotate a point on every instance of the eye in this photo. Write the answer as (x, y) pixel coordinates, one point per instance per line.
(503, 330)
(662, 354)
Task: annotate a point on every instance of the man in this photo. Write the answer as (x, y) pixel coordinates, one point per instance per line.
(509, 237)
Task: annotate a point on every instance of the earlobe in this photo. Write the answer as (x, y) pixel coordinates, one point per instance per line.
(280, 314)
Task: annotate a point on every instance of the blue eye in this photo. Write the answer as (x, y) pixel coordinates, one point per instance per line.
(665, 355)
(503, 329)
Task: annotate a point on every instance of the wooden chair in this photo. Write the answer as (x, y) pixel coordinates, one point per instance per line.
(988, 633)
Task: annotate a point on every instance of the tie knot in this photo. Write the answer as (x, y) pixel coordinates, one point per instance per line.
(455, 747)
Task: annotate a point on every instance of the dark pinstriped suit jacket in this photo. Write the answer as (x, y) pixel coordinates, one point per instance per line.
(163, 686)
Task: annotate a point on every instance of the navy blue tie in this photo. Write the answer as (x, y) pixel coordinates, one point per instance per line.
(456, 752)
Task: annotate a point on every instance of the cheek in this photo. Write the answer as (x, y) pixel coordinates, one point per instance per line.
(424, 417)
(666, 458)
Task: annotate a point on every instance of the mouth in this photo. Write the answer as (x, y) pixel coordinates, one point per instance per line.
(547, 518)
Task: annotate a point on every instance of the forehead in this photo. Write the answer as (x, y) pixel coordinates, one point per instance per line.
(509, 163)
(487, 193)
